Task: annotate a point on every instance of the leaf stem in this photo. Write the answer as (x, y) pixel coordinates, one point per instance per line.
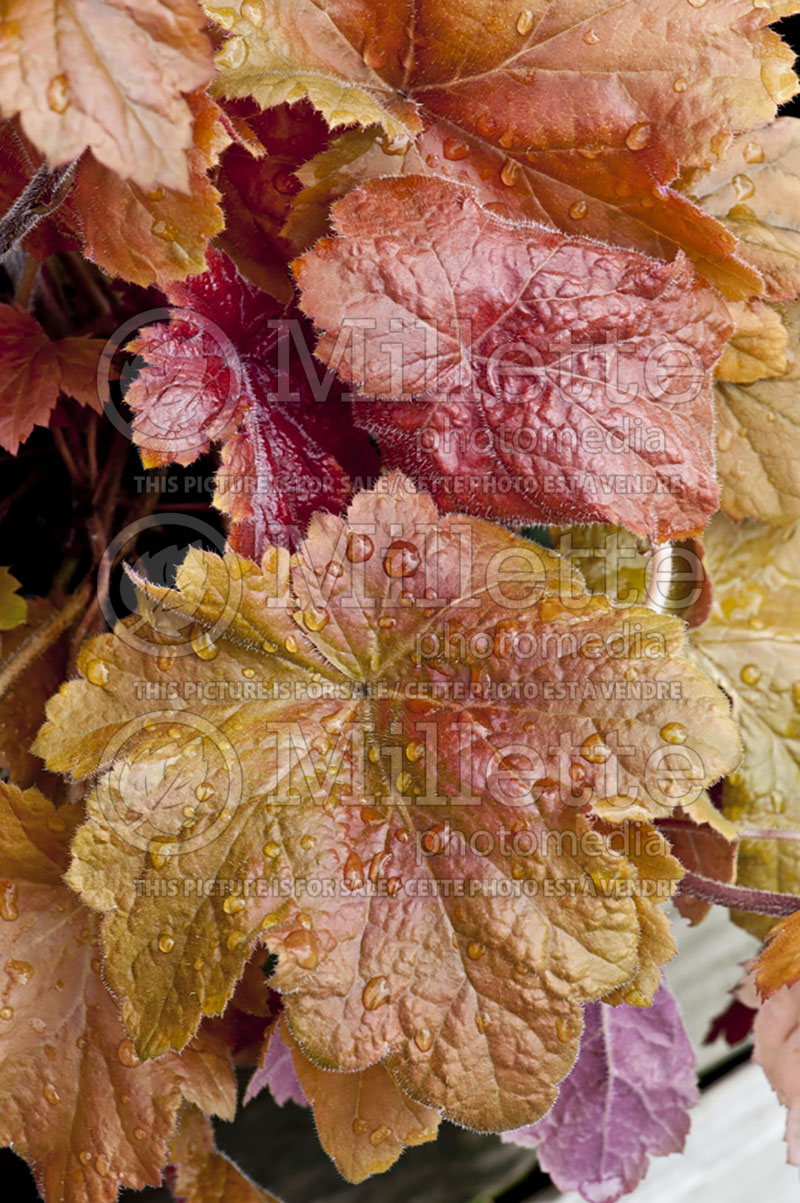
(43, 193)
(42, 638)
(739, 898)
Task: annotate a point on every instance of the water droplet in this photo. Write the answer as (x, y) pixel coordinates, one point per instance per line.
(591, 37)
(165, 943)
(680, 84)
(97, 672)
(226, 17)
(578, 209)
(204, 791)
(697, 3)
(8, 901)
(386, 622)
(753, 153)
(521, 968)
(353, 872)
(394, 886)
(415, 750)
(253, 11)
(482, 1021)
(674, 733)
(271, 850)
(743, 186)
(235, 939)
(315, 619)
(165, 659)
(750, 674)
(233, 904)
(524, 22)
(638, 136)
(595, 750)
(402, 836)
(302, 943)
(379, 1135)
(291, 645)
(204, 646)
(423, 1038)
(81, 1042)
(403, 783)
(58, 94)
(375, 994)
(51, 1094)
(401, 559)
(475, 950)
(164, 230)
(233, 54)
(127, 1054)
(377, 864)
(454, 150)
(510, 172)
(563, 1031)
(102, 1165)
(360, 1126)
(725, 440)
(6, 1013)
(249, 673)
(139, 1133)
(308, 842)
(84, 1157)
(20, 972)
(359, 548)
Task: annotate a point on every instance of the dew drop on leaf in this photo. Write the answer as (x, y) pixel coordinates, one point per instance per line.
(379, 1135)
(674, 733)
(58, 94)
(97, 672)
(638, 136)
(423, 1038)
(127, 1054)
(524, 22)
(8, 901)
(578, 209)
(375, 994)
(401, 559)
(165, 943)
(750, 674)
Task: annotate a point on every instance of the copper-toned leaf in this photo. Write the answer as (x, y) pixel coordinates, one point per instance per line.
(575, 117)
(779, 961)
(13, 608)
(76, 1102)
(524, 373)
(35, 370)
(364, 1120)
(108, 75)
(204, 1175)
(700, 849)
(757, 348)
(158, 234)
(387, 733)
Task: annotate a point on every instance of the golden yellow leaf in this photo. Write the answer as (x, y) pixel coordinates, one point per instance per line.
(344, 739)
(202, 1173)
(757, 348)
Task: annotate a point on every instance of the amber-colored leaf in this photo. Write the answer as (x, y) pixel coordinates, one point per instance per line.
(107, 75)
(757, 439)
(364, 1121)
(753, 190)
(153, 235)
(778, 964)
(499, 383)
(226, 369)
(201, 1173)
(578, 118)
(76, 1102)
(35, 370)
(757, 348)
(750, 647)
(13, 608)
(349, 670)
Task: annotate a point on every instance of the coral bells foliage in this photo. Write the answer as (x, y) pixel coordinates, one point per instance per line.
(383, 798)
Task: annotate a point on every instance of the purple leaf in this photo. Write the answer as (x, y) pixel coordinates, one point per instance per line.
(626, 1099)
(276, 1073)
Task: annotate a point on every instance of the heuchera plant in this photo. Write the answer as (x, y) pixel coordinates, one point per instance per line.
(479, 326)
